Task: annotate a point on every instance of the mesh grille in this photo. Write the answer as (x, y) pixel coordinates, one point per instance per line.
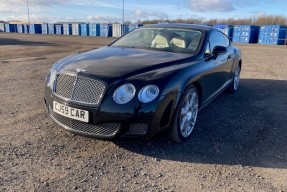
(64, 85)
(103, 129)
(138, 129)
(79, 89)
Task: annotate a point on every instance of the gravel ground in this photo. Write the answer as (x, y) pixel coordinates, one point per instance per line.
(239, 144)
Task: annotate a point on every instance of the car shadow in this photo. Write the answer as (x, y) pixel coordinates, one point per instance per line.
(248, 128)
(10, 41)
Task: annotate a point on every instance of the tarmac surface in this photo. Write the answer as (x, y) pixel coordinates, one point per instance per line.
(240, 141)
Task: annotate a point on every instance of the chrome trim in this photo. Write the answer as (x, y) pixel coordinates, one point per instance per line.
(67, 100)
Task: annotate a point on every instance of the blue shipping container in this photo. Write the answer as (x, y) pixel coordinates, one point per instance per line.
(59, 29)
(44, 29)
(10, 28)
(67, 29)
(94, 29)
(84, 29)
(20, 28)
(133, 27)
(126, 29)
(51, 29)
(273, 35)
(105, 30)
(26, 28)
(245, 34)
(226, 29)
(35, 29)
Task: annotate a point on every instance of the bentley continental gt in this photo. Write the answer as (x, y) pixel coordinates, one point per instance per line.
(155, 78)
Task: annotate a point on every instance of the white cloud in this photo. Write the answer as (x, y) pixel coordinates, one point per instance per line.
(14, 6)
(105, 19)
(139, 14)
(226, 5)
(212, 5)
(39, 18)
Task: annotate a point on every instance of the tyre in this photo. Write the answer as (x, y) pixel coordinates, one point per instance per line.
(185, 116)
(235, 81)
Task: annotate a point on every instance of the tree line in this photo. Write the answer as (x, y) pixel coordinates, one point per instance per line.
(262, 20)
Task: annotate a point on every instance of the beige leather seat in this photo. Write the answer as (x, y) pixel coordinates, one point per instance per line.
(160, 42)
(178, 42)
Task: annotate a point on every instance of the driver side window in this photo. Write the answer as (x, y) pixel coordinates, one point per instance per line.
(216, 39)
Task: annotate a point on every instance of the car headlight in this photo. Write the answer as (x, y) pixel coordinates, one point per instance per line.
(148, 93)
(51, 78)
(124, 93)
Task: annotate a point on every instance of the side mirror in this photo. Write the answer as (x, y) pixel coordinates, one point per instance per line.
(219, 50)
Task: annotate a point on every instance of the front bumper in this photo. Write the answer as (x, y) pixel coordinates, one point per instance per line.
(109, 121)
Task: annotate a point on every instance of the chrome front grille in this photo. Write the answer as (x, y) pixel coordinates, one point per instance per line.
(79, 89)
(102, 129)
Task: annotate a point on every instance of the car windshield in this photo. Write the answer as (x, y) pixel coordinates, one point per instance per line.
(163, 39)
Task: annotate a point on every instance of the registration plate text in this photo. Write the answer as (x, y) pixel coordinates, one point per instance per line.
(70, 112)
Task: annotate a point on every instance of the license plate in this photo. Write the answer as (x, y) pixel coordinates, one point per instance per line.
(70, 112)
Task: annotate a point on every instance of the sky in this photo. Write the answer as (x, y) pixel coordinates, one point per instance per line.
(111, 10)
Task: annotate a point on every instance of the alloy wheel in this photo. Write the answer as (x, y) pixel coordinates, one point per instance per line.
(236, 78)
(188, 113)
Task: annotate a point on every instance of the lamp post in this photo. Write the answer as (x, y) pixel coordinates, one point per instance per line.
(123, 11)
(123, 17)
(28, 12)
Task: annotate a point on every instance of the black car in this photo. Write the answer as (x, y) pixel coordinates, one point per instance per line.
(155, 78)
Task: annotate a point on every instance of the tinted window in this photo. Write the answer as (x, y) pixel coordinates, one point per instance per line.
(218, 39)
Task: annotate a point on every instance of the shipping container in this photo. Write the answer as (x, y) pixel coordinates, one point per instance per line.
(67, 29)
(273, 35)
(94, 29)
(44, 29)
(26, 28)
(20, 28)
(134, 26)
(76, 28)
(245, 34)
(120, 30)
(10, 28)
(117, 30)
(105, 30)
(35, 28)
(2, 27)
(226, 29)
(51, 29)
(59, 29)
(84, 29)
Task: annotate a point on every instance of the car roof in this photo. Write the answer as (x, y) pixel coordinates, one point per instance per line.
(181, 25)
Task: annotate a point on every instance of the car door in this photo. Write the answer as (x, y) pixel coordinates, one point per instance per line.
(218, 66)
(230, 57)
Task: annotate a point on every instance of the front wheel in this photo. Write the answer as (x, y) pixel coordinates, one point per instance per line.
(236, 78)
(186, 115)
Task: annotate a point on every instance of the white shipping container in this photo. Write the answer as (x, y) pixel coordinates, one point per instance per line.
(75, 29)
(66, 29)
(2, 27)
(117, 30)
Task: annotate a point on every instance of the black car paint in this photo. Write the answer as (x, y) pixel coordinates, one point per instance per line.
(171, 72)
